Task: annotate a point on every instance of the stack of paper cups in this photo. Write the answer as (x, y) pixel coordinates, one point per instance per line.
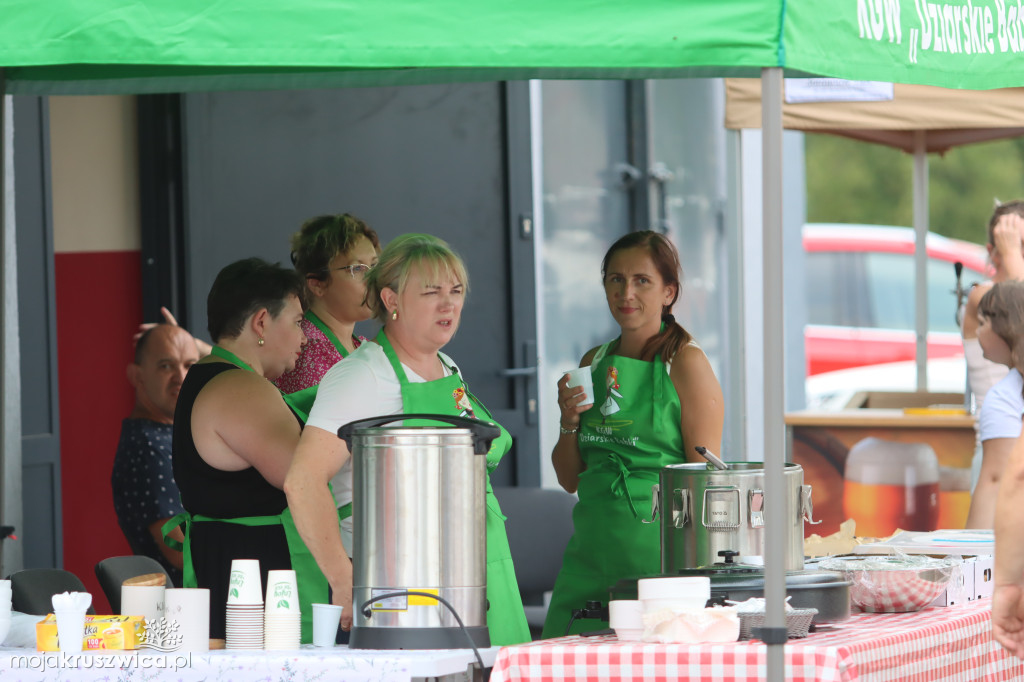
(187, 611)
(282, 627)
(244, 621)
(5, 608)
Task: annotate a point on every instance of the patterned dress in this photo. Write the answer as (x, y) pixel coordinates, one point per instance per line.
(318, 356)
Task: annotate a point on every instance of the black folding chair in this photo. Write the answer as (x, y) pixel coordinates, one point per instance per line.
(537, 555)
(32, 589)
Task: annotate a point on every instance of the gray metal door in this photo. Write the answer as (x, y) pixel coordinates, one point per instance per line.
(450, 160)
(41, 540)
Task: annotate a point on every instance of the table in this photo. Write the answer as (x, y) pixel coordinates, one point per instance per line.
(306, 664)
(940, 643)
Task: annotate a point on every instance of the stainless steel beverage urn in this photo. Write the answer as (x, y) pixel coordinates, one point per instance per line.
(706, 512)
(419, 532)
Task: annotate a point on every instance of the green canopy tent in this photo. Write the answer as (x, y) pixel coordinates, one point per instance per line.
(140, 46)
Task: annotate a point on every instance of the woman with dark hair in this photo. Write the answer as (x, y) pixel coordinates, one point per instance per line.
(417, 291)
(1000, 329)
(234, 438)
(655, 399)
(332, 254)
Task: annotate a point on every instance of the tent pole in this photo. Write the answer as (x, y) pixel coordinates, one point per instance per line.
(921, 258)
(774, 402)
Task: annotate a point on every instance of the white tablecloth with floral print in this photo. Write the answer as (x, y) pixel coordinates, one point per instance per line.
(305, 665)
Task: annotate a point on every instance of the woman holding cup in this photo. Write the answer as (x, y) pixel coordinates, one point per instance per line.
(417, 290)
(654, 399)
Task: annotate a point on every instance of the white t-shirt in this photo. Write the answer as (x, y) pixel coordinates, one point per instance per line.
(361, 386)
(1001, 414)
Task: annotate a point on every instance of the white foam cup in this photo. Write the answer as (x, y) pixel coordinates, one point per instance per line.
(70, 629)
(282, 592)
(245, 586)
(581, 376)
(143, 600)
(189, 607)
(326, 618)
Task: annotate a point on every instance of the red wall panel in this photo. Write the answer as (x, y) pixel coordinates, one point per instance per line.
(99, 305)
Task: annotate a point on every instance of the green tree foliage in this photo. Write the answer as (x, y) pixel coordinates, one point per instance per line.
(857, 182)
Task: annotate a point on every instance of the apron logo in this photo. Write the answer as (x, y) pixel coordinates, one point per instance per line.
(611, 381)
(462, 402)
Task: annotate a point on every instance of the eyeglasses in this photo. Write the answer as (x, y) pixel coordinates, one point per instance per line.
(356, 270)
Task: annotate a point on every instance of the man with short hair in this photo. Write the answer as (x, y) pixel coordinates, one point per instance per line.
(145, 495)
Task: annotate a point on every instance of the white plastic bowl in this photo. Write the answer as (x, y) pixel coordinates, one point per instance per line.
(688, 588)
(677, 604)
(626, 614)
(629, 634)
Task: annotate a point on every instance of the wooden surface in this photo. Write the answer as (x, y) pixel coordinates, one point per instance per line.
(882, 418)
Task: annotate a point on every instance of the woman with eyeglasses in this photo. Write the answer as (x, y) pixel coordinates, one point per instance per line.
(333, 254)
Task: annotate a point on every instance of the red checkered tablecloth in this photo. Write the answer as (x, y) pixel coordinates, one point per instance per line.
(951, 643)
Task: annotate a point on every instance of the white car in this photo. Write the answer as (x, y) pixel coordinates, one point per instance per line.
(834, 390)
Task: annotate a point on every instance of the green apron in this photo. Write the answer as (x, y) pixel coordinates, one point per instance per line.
(506, 619)
(302, 401)
(309, 578)
(632, 431)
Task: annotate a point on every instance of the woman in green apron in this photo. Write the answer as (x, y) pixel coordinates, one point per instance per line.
(332, 253)
(234, 437)
(655, 399)
(417, 290)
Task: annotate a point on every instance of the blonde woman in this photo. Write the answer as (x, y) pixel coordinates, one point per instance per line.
(417, 290)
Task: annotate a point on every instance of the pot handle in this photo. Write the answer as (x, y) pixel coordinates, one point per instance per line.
(483, 432)
(807, 505)
(655, 503)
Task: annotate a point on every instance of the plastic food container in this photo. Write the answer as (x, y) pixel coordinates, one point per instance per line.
(893, 584)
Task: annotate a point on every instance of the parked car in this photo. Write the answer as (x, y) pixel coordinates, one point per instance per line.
(835, 390)
(860, 294)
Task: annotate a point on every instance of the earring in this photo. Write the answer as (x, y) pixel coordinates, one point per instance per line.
(260, 342)
(394, 314)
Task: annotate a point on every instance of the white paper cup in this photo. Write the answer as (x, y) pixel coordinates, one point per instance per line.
(70, 629)
(245, 586)
(142, 600)
(326, 618)
(581, 376)
(189, 607)
(282, 593)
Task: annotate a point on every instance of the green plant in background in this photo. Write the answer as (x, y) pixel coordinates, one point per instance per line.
(857, 182)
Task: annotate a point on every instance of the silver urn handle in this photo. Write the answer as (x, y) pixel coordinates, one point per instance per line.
(807, 505)
(755, 503)
(680, 507)
(655, 504)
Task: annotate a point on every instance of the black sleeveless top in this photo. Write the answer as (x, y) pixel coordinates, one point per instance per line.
(223, 495)
(204, 489)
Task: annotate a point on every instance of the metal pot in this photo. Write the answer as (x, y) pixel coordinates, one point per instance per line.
(419, 526)
(707, 513)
